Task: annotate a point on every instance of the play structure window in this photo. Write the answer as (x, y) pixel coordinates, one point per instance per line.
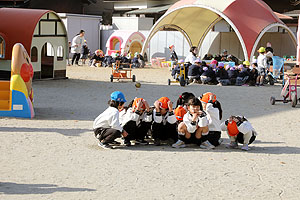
(60, 53)
(50, 51)
(34, 54)
(115, 44)
(2, 47)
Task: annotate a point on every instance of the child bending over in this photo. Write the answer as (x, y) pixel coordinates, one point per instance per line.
(107, 126)
(239, 130)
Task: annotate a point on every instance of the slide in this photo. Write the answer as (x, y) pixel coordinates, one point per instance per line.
(16, 95)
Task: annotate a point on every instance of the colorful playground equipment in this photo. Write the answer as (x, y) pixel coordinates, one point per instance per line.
(181, 76)
(16, 95)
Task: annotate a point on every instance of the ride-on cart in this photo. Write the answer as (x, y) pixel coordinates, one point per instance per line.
(289, 91)
(121, 73)
(180, 76)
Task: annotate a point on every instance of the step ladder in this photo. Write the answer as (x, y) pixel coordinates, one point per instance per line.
(4, 95)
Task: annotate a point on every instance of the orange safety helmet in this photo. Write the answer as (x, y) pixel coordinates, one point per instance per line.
(135, 103)
(206, 96)
(163, 102)
(232, 128)
(179, 112)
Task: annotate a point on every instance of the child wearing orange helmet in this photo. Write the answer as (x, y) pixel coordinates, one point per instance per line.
(136, 120)
(194, 126)
(213, 109)
(181, 105)
(239, 130)
(164, 121)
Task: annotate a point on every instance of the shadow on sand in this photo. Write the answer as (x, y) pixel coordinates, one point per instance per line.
(17, 188)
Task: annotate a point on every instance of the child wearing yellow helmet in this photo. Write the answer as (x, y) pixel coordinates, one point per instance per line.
(261, 66)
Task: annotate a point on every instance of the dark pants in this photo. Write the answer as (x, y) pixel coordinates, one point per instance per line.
(191, 140)
(164, 132)
(213, 137)
(240, 138)
(75, 56)
(136, 132)
(107, 135)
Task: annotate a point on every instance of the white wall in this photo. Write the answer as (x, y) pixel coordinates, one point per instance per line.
(39, 42)
(132, 23)
(90, 24)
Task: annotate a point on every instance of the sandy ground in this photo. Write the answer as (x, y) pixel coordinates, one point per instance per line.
(55, 155)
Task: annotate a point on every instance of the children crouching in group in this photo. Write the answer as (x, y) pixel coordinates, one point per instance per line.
(194, 121)
(216, 72)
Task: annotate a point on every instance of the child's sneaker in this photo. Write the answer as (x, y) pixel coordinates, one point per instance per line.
(245, 147)
(115, 143)
(178, 144)
(232, 145)
(104, 146)
(142, 142)
(207, 145)
(220, 141)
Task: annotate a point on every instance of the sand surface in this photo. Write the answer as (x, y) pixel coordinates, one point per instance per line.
(55, 155)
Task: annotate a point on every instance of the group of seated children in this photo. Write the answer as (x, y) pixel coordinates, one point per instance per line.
(98, 59)
(193, 121)
(218, 73)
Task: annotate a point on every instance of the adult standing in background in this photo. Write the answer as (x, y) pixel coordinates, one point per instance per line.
(77, 43)
(192, 55)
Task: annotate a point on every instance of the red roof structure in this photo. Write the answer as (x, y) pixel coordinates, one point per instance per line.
(17, 26)
(249, 19)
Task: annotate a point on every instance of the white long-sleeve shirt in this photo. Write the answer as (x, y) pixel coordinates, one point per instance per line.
(190, 58)
(213, 118)
(129, 115)
(79, 41)
(262, 61)
(201, 121)
(108, 119)
(169, 117)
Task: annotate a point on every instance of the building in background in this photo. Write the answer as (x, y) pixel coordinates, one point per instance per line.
(137, 17)
(89, 23)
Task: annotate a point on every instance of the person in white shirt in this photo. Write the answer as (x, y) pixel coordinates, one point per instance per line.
(192, 55)
(261, 66)
(136, 120)
(214, 112)
(164, 121)
(239, 130)
(77, 43)
(194, 126)
(107, 126)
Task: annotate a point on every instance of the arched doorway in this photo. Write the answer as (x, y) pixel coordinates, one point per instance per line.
(115, 43)
(34, 54)
(47, 61)
(135, 47)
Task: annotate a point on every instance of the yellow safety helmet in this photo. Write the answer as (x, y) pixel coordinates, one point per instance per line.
(247, 63)
(261, 50)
